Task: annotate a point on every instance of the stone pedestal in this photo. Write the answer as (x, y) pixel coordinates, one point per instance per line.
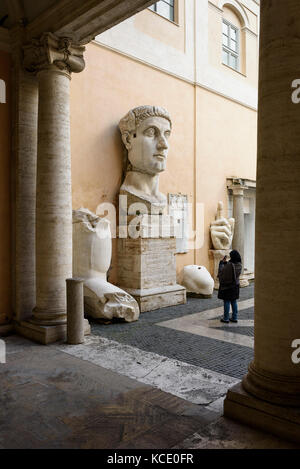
(266, 416)
(147, 270)
(217, 256)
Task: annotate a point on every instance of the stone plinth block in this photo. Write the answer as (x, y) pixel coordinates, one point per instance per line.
(147, 270)
(46, 334)
(247, 409)
(161, 297)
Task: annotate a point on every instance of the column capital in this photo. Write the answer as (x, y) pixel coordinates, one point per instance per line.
(53, 52)
(237, 186)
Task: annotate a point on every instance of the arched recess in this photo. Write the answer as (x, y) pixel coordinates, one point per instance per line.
(238, 9)
(237, 16)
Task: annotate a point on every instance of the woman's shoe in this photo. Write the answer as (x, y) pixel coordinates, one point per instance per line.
(233, 320)
(223, 320)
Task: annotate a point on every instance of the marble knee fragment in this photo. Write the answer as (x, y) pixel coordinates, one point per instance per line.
(92, 250)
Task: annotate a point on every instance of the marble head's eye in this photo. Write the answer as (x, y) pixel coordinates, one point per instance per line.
(167, 134)
(150, 132)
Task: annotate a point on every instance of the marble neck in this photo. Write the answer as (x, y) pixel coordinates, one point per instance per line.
(143, 181)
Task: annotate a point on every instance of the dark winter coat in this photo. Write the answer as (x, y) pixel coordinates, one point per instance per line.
(229, 277)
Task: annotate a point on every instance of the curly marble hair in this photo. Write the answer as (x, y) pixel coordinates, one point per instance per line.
(133, 118)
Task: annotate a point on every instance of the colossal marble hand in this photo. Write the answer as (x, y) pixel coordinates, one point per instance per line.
(145, 131)
(222, 230)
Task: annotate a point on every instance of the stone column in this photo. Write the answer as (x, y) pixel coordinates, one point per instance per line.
(75, 311)
(24, 158)
(52, 59)
(270, 395)
(239, 228)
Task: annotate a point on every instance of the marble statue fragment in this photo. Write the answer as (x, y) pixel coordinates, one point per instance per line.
(145, 132)
(222, 230)
(92, 250)
(198, 280)
(146, 257)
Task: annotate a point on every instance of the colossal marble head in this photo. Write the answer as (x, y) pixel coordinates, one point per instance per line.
(145, 131)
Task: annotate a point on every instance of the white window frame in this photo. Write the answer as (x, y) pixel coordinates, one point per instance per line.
(227, 49)
(168, 2)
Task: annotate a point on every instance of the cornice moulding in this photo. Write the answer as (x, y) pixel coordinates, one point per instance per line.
(215, 7)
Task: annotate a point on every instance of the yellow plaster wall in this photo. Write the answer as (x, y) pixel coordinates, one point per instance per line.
(5, 208)
(225, 144)
(226, 147)
(110, 85)
(167, 32)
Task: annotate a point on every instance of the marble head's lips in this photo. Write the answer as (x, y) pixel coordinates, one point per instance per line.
(160, 156)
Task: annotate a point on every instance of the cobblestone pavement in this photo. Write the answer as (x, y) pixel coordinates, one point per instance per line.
(203, 351)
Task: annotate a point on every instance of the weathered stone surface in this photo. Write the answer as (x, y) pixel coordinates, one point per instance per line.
(147, 226)
(146, 263)
(147, 271)
(161, 297)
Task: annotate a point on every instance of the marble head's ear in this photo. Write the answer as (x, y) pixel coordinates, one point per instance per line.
(126, 137)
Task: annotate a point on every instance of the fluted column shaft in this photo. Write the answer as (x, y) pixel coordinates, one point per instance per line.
(273, 376)
(53, 59)
(54, 201)
(238, 215)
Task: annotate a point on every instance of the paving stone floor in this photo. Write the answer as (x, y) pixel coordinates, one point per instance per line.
(146, 334)
(122, 388)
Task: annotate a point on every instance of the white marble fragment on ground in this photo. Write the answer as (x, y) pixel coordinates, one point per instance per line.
(197, 279)
(106, 301)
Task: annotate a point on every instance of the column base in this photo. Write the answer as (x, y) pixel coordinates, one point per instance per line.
(156, 298)
(244, 282)
(277, 420)
(46, 334)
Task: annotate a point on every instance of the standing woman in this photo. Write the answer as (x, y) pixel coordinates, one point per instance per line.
(229, 290)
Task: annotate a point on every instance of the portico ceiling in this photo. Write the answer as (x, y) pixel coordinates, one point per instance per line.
(81, 20)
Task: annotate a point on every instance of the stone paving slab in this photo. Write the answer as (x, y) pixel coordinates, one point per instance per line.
(50, 399)
(227, 434)
(189, 382)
